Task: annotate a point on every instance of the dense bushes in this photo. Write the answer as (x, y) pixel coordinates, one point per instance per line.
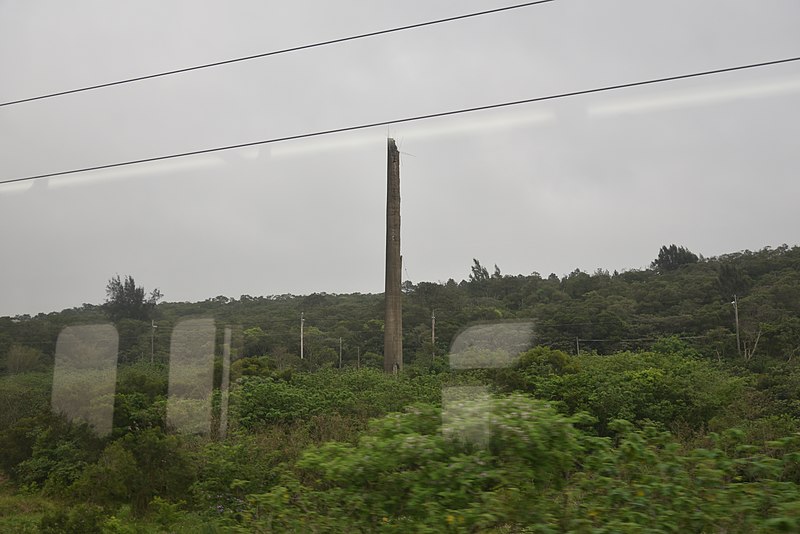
(643, 480)
(665, 388)
(680, 435)
(553, 454)
(58, 455)
(364, 393)
(23, 395)
(539, 472)
(405, 474)
(137, 468)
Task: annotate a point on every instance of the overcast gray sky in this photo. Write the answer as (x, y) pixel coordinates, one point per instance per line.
(587, 182)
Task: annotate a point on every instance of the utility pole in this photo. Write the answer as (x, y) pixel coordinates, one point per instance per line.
(577, 346)
(152, 339)
(358, 357)
(302, 322)
(736, 315)
(224, 388)
(340, 353)
(433, 335)
(393, 325)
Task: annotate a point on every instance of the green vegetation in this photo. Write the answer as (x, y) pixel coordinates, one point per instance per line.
(633, 409)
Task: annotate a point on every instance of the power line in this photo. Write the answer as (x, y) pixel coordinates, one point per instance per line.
(644, 338)
(620, 319)
(276, 52)
(410, 119)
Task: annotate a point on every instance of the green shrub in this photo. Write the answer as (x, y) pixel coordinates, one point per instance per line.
(24, 395)
(80, 519)
(406, 473)
(667, 389)
(59, 454)
(136, 468)
(643, 483)
(260, 401)
(21, 359)
(142, 377)
(230, 470)
(538, 473)
(21, 513)
(136, 411)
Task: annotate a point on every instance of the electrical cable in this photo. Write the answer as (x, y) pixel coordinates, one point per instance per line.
(642, 338)
(409, 119)
(275, 52)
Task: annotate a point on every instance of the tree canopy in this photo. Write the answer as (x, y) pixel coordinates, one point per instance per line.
(124, 300)
(671, 257)
(632, 409)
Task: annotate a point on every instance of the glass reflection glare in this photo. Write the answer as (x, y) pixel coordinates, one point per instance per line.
(85, 375)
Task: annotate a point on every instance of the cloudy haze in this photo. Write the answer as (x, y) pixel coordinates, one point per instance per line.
(598, 181)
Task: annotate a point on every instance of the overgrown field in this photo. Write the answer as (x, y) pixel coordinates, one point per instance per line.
(644, 402)
(663, 440)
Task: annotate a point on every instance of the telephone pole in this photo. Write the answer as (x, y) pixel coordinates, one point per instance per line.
(340, 353)
(736, 315)
(433, 335)
(224, 388)
(302, 322)
(393, 325)
(152, 339)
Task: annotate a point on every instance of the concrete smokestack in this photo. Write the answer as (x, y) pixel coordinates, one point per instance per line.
(393, 326)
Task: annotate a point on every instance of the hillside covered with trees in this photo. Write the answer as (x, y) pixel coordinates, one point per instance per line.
(662, 400)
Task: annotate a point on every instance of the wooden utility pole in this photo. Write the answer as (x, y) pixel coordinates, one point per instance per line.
(393, 325)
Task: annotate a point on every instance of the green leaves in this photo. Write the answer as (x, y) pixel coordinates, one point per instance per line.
(671, 257)
(124, 299)
(364, 393)
(664, 388)
(537, 472)
(405, 469)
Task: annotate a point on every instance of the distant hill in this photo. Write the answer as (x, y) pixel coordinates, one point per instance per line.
(681, 295)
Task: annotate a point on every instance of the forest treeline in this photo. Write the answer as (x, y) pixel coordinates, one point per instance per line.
(633, 407)
(680, 295)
